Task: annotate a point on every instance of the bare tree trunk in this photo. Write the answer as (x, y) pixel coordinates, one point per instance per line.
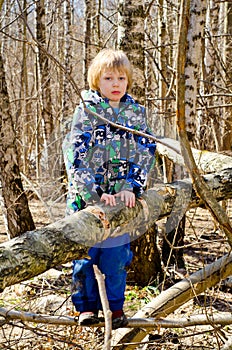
(210, 125)
(227, 127)
(207, 162)
(18, 215)
(201, 188)
(92, 35)
(145, 268)
(131, 37)
(44, 78)
(131, 41)
(175, 237)
(25, 108)
(67, 59)
(87, 40)
(193, 64)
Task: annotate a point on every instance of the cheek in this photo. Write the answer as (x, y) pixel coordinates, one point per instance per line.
(125, 86)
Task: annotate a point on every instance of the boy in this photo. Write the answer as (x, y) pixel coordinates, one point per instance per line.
(105, 163)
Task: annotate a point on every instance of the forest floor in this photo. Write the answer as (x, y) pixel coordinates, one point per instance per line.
(49, 293)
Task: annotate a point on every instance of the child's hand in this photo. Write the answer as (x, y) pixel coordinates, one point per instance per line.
(109, 199)
(127, 197)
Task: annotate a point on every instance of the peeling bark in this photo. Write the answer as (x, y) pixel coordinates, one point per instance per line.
(37, 251)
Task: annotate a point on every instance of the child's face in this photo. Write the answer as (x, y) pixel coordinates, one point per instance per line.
(113, 84)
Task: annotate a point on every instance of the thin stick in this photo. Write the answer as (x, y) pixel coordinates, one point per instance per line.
(217, 318)
(133, 131)
(105, 305)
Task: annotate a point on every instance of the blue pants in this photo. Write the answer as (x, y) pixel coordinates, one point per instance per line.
(111, 262)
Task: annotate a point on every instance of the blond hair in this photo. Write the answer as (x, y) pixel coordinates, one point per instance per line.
(108, 59)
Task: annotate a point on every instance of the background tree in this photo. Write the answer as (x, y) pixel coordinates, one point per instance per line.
(15, 204)
(131, 37)
(146, 264)
(45, 124)
(227, 112)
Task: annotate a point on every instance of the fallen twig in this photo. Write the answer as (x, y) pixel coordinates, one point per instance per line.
(105, 305)
(219, 318)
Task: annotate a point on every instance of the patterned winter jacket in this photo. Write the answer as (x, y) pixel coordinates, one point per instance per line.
(100, 158)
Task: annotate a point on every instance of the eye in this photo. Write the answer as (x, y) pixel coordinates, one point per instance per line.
(122, 78)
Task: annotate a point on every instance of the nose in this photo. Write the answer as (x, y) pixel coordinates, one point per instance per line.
(115, 82)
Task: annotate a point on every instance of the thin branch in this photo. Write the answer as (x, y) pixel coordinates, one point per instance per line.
(213, 107)
(219, 318)
(105, 305)
(16, 18)
(133, 131)
(108, 18)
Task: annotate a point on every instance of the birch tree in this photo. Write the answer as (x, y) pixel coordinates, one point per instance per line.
(186, 33)
(208, 128)
(193, 63)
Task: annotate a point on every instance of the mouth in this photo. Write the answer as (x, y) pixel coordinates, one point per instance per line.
(115, 92)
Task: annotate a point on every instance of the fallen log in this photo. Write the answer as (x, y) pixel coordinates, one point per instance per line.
(171, 299)
(37, 251)
(207, 162)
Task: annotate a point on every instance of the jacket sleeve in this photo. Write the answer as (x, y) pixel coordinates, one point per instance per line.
(76, 148)
(144, 161)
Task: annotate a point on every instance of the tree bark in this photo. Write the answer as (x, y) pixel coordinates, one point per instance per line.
(193, 62)
(200, 186)
(131, 37)
(227, 127)
(66, 108)
(45, 127)
(105, 306)
(17, 212)
(37, 251)
(87, 40)
(145, 267)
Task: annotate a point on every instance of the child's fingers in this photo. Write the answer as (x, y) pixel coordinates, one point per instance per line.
(127, 197)
(108, 199)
